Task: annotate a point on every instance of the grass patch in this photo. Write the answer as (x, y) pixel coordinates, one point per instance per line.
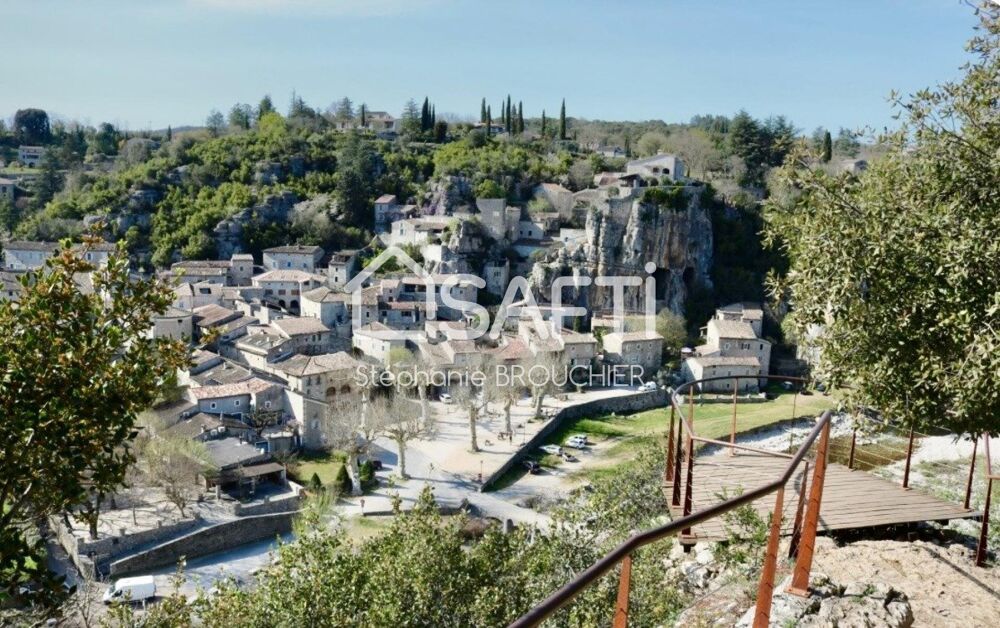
(324, 464)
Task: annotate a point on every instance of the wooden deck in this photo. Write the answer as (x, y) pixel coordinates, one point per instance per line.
(851, 498)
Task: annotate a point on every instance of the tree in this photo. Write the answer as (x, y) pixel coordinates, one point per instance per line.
(411, 118)
(489, 189)
(215, 123)
(468, 398)
(50, 180)
(440, 131)
(562, 120)
(9, 214)
(344, 111)
(520, 117)
(31, 126)
(544, 132)
(489, 121)
(651, 143)
(827, 153)
(363, 115)
(696, 149)
(425, 115)
(175, 465)
(241, 116)
(403, 422)
(846, 144)
(350, 425)
(899, 266)
(265, 106)
(261, 419)
(543, 370)
(105, 140)
(75, 369)
(482, 111)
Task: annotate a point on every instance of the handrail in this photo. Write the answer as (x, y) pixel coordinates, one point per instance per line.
(571, 589)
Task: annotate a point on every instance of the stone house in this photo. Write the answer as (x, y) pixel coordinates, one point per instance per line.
(376, 341)
(297, 257)
(237, 399)
(635, 348)
(236, 271)
(8, 188)
(416, 231)
(342, 267)
(307, 335)
(285, 287)
(329, 306)
(733, 347)
(324, 377)
(661, 167)
(30, 156)
(26, 255)
(174, 323)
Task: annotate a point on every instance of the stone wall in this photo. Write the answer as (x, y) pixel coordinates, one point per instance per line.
(86, 553)
(625, 404)
(222, 536)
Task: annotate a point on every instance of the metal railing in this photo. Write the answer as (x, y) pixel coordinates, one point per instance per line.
(804, 531)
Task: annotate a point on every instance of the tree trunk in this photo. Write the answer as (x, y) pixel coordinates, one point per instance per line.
(539, 396)
(354, 472)
(506, 418)
(422, 393)
(401, 445)
(473, 416)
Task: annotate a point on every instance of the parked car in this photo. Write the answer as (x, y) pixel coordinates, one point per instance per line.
(445, 398)
(137, 589)
(648, 387)
(533, 467)
(577, 442)
(568, 457)
(555, 450)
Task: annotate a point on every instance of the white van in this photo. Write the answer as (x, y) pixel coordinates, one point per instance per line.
(137, 589)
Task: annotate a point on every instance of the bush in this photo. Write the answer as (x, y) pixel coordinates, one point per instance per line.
(343, 480)
(315, 483)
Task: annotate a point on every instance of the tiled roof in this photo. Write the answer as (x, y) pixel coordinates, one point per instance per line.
(300, 365)
(718, 360)
(295, 248)
(733, 329)
(211, 315)
(634, 336)
(326, 295)
(299, 326)
(246, 387)
(289, 275)
(28, 245)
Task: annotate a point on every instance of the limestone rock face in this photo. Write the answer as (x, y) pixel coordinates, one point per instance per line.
(446, 193)
(463, 252)
(228, 234)
(622, 236)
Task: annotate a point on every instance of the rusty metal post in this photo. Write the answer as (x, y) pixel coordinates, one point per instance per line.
(732, 430)
(854, 441)
(621, 606)
(793, 542)
(807, 542)
(688, 496)
(676, 497)
(909, 455)
(972, 471)
(984, 531)
(669, 471)
(765, 590)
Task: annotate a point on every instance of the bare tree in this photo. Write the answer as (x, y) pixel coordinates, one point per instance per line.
(469, 399)
(402, 421)
(499, 388)
(175, 464)
(542, 371)
(411, 371)
(351, 427)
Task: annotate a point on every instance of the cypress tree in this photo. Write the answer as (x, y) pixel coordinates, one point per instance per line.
(510, 118)
(425, 115)
(520, 117)
(562, 120)
(489, 121)
(482, 112)
(433, 116)
(363, 115)
(170, 133)
(628, 146)
(543, 123)
(827, 147)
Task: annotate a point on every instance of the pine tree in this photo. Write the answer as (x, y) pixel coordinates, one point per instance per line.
(827, 147)
(562, 120)
(482, 112)
(520, 117)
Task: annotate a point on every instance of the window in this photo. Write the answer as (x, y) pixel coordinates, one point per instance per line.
(267, 404)
(237, 403)
(213, 405)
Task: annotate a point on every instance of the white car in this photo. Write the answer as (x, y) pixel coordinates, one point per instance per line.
(648, 387)
(578, 442)
(137, 589)
(555, 450)
(445, 398)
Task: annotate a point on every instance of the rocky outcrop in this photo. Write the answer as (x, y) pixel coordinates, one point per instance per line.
(623, 236)
(446, 194)
(856, 604)
(463, 252)
(228, 234)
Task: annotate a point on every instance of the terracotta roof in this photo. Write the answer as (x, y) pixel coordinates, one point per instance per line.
(300, 365)
(514, 349)
(299, 326)
(733, 329)
(385, 199)
(246, 387)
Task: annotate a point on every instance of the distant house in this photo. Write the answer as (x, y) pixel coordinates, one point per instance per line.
(660, 167)
(387, 211)
(325, 377)
(635, 348)
(30, 156)
(25, 255)
(416, 231)
(7, 188)
(298, 257)
(236, 399)
(235, 271)
(329, 306)
(342, 267)
(734, 348)
(174, 323)
(10, 288)
(285, 287)
(376, 341)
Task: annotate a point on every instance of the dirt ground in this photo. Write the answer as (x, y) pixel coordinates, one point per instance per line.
(944, 586)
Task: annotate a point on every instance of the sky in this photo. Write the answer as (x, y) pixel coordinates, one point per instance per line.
(149, 63)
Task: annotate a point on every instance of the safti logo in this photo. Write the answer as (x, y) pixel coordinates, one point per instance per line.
(518, 299)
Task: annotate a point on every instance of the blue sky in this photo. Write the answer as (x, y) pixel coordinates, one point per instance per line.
(151, 63)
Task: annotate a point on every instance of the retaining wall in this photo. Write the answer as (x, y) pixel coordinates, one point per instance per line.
(625, 404)
(208, 540)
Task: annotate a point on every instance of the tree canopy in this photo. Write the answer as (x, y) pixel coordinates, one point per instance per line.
(900, 266)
